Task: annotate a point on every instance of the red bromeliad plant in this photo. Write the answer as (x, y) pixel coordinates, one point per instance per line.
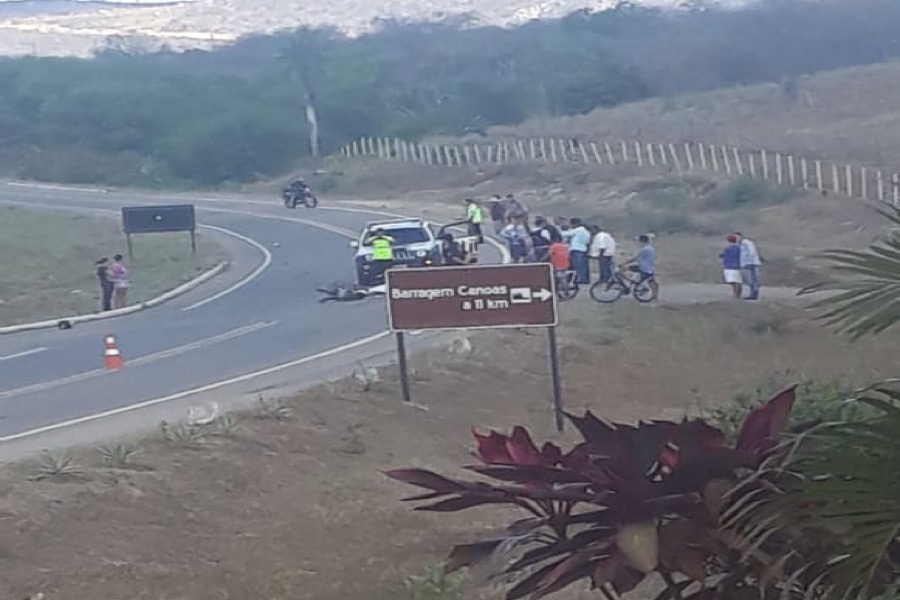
(626, 502)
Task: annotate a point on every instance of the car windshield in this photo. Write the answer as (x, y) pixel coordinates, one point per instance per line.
(404, 235)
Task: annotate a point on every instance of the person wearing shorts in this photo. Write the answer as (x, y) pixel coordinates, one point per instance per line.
(731, 266)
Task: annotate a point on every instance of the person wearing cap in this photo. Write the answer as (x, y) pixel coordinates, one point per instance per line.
(731, 265)
(750, 264)
(474, 216)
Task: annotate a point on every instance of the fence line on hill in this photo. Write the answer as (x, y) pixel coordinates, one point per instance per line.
(780, 168)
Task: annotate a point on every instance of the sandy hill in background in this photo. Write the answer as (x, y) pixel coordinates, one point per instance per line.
(202, 23)
(850, 115)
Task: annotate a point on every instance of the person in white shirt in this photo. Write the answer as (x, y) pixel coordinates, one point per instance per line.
(603, 248)
(750, 263)
(579, 239)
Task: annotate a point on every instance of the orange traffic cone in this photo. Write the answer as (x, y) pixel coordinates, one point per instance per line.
(112, 357)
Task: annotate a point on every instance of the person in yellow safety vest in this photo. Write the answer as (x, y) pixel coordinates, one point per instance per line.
(382, 251)
(474, 217)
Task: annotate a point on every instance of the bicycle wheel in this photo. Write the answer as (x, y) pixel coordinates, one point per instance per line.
(644, 293)
(566, 291)
(606, 292)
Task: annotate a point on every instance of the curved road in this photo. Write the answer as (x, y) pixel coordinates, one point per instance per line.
(214, 333)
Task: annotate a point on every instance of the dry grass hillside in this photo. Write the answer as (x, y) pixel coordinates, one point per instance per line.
(851, 115)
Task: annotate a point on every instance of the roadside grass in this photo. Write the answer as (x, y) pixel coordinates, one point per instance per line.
(49, 271)
(294, 498)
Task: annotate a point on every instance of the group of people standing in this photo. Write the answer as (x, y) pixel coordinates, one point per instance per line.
(572, 246)
(114, 282)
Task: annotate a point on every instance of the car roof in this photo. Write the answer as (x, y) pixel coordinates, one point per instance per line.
(396, 224)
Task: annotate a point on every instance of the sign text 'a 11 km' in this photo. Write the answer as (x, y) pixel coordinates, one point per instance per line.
(488, 296)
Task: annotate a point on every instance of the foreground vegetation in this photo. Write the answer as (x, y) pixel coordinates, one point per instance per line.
(49, 266)
(233, 115)
(785, 508)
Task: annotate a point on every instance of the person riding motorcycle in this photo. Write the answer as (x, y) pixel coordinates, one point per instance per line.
(299, 187)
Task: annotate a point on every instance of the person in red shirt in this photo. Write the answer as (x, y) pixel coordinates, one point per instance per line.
(559, 256)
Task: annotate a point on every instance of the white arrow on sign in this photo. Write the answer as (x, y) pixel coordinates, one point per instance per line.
(543, 294)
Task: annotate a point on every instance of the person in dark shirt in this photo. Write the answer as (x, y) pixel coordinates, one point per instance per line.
(106, 284)
(453, 253)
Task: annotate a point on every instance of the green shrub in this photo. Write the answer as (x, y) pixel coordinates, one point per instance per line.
(746, 192)
(824, 400)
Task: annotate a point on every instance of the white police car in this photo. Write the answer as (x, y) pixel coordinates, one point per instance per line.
(415, 245)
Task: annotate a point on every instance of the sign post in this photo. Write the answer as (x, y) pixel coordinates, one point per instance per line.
(474, 297)
(159, 219)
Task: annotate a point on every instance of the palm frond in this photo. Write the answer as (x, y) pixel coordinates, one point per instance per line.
(839, 489)
(868, 292)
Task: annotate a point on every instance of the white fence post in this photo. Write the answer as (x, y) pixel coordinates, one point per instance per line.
(792, 175)
(764, 158)
(737, 161)
(596, 153)
(688, 155)
(820, 184)
(895, 185)
(725, 160)
(675, 160)
(640, 156)
(779, 173)
(703, 157)
(836, 179)
(650, 157)
(751, 160)
(624, 151)
(849, 172)
(879, 183)
(609, 153)
(863, 184)
(804, 173)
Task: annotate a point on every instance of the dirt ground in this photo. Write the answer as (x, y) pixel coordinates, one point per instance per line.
(284, 505)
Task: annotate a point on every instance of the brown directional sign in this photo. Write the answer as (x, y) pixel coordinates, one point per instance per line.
(488, 296)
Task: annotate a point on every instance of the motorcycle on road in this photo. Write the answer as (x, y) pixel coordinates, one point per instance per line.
(292, 198)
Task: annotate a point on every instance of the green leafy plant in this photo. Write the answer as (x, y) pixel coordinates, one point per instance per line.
(118, 454)
(225, 425)
(435, 584)
(831, 509)
(867, 285)
(625, 503)
(57, 466)
(276, 410)
(182, 433)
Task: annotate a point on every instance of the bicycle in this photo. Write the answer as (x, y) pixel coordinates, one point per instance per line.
(567, 286)
(623, 284)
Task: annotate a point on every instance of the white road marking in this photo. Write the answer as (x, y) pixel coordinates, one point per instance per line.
(267, 260)
(198, 390)
(148, 358)
(23, 354)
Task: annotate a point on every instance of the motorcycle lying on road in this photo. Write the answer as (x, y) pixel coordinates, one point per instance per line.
(293, 198)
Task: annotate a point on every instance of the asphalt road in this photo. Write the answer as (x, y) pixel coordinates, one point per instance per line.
(49, 377)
